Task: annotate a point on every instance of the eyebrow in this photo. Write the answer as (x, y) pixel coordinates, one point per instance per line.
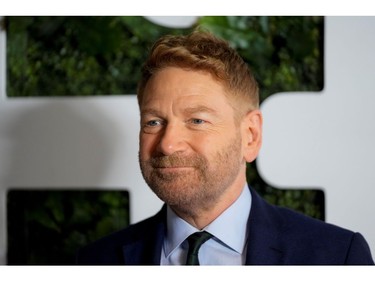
(150, 111)
(188, 110)
(198, 109)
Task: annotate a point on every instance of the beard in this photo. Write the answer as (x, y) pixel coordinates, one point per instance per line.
(199, 182)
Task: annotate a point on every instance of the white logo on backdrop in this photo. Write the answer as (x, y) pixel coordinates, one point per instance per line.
(326, 140)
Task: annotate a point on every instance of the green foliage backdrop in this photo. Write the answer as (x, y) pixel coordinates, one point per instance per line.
(46, 227)
(88, 56)
(77, 56)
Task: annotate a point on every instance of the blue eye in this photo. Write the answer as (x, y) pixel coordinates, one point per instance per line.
(197, 121)
(153, 123)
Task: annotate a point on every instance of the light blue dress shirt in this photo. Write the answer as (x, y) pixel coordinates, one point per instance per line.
(228, 247)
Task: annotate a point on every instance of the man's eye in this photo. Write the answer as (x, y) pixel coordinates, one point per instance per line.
(153, 123)
(197, 121)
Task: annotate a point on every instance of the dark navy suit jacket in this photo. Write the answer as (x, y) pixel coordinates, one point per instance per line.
(277, 236)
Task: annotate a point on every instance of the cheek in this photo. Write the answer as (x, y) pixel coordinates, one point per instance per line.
(221, 140)
(207, 147)
(146, 146)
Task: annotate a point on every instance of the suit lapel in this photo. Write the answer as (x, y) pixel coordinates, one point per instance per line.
(145, 248)
(265, 228)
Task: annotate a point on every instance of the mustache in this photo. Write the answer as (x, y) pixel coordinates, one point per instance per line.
(176, 160)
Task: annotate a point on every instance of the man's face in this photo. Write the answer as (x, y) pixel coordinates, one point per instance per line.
(190, 146)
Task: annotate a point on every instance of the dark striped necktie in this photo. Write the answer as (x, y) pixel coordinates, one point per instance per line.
(195, 242)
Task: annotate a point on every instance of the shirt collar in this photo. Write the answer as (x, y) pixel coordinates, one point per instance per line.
(230, 227)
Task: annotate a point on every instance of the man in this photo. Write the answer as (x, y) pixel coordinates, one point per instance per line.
(200, 125)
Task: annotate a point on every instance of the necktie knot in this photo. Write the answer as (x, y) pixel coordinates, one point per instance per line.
(195, 241)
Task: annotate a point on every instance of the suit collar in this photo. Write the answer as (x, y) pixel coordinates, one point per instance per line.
(145, 246)
(265, 227)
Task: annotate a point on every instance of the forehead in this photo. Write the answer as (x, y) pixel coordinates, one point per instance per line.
(172, 84)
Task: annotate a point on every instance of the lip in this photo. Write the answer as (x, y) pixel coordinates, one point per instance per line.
(178, 168)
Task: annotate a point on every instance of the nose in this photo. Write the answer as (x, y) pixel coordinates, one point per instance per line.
(172, 140)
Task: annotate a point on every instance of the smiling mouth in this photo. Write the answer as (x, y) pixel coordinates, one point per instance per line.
(173, 168)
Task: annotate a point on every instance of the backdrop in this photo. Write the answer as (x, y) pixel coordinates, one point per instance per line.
(315, 140)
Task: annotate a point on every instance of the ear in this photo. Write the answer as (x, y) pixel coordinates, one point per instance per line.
(251, 129)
